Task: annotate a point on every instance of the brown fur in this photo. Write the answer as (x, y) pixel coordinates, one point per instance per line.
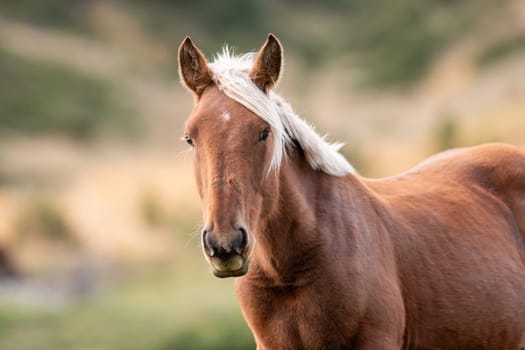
(431, 259)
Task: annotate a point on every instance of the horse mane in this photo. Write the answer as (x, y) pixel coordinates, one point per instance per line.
(231, 74)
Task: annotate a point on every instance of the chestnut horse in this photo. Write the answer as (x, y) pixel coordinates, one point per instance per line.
(433, 258)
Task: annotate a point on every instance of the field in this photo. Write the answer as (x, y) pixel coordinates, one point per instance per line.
(159, 310)
(99, 214)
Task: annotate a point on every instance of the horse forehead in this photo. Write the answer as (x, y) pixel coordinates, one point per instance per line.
(211, 102)
(217, 111)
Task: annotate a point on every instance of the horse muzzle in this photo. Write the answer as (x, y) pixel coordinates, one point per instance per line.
(234, 266)
(228, 255)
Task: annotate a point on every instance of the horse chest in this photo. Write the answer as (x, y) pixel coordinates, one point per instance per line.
(297, 320)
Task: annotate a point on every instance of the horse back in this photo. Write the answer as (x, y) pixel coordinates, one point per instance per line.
(491, 174)
(499, 171)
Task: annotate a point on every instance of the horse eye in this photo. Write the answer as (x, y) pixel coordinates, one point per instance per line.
(188, 140)
(264, 135)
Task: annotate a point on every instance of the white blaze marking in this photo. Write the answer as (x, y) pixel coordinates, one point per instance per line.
(226, 116)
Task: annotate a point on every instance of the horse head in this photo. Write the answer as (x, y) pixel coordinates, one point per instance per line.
(234, 152)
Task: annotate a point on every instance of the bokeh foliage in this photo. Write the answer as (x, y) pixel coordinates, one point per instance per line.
(394, 42)
(39, 98)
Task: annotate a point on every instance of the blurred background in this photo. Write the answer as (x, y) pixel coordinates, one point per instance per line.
(99, 216)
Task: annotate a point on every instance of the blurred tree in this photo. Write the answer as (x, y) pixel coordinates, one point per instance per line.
(394, 42)
(54, 13)
(44, 98)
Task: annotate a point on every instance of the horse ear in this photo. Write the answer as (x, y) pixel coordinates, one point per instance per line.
(267, 67)
(193, 67)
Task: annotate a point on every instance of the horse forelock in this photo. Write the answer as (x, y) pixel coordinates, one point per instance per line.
(231, 74)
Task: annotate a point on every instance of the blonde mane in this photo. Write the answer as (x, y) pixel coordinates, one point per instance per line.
(231, 74)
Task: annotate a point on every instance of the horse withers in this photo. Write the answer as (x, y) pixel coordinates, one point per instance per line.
(433, 258)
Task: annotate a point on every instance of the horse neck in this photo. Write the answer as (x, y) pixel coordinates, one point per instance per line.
(290, 247)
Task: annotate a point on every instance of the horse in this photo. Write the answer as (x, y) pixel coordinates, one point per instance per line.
(433, 258)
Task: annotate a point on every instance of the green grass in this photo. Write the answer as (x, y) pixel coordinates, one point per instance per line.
(160, 311)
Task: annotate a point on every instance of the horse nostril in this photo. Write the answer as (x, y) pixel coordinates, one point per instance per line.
(244, 236)
(208, 246)
(242, 242)
(233, 244)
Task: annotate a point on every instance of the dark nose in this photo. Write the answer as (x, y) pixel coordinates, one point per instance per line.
(224, 247)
